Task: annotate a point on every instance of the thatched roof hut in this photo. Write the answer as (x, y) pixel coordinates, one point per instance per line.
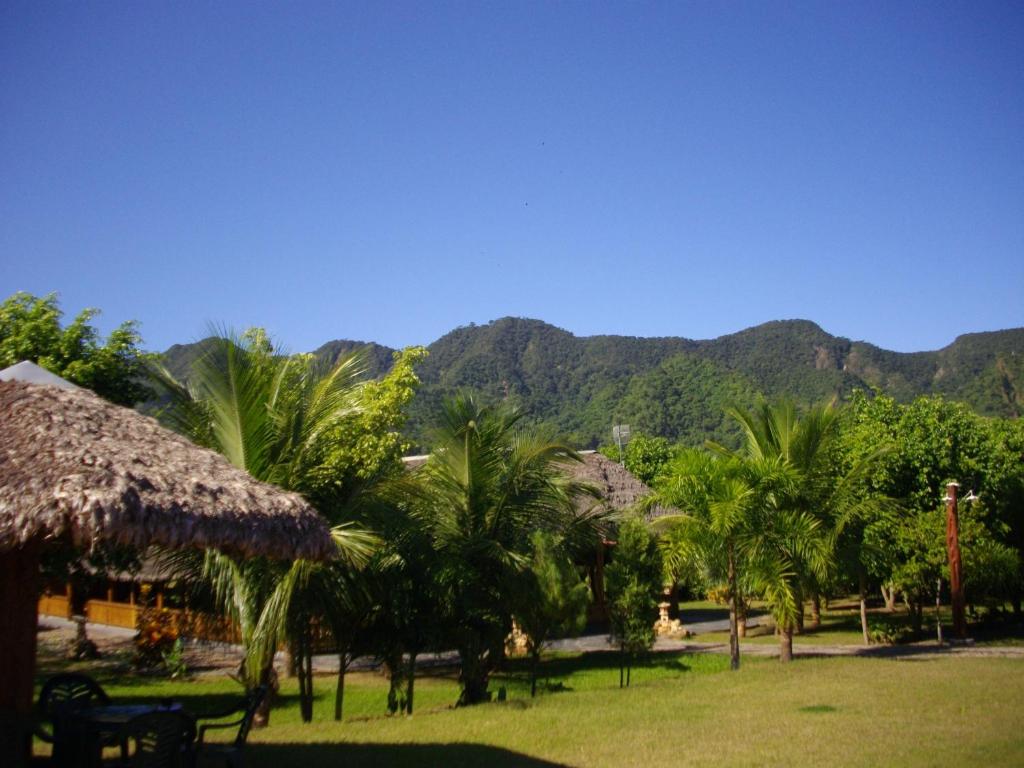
(73, 465)
(618, 488)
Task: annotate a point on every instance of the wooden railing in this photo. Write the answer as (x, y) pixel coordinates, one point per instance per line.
(113, 614)
(55, 605)
(201, 626)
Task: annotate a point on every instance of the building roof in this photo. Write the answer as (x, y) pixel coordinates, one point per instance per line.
(75, 466)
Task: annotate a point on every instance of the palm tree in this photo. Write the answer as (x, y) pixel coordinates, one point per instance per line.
(279, 418)
(788, 537)
(719, 535)
(488, 485)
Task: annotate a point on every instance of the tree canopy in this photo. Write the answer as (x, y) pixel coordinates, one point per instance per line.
(114, 368)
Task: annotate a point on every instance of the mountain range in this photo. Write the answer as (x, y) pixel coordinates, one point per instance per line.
(678, 387)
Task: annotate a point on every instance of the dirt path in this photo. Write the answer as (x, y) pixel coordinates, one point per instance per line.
(115, 645)
(926, 648)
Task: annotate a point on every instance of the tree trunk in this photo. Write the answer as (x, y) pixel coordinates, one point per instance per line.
(300, 667)
(798, 628)
(917, 616)
(889, 595)
(305, 670)
(19, 569)
(734, 634)
(785, 642)
(863, 580)
(534, 662)
(815, 609)
(339, 694)
(396, 681)
(474, 675)
(411, 684)
(268, 677)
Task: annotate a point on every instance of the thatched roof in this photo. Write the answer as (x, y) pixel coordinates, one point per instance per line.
(75, 466)
(618, 488)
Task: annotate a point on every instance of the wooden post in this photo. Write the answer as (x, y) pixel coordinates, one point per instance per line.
(19, 573)
(956, 588)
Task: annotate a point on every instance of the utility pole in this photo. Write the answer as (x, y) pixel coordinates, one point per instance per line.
(956, 588)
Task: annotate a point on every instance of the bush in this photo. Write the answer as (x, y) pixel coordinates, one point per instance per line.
(719, 594)
(886, 634)
(155, 638)
(174, 660)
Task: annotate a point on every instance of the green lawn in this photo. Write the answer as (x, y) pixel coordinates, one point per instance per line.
(681, 710)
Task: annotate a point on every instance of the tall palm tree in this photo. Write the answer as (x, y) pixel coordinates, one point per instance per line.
(488, 485)
(789, 542)
(721, 533)
(279, 418)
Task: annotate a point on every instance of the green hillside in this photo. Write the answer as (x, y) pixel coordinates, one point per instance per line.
(678, 387)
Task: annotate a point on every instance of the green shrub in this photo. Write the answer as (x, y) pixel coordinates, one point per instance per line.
(886, 634)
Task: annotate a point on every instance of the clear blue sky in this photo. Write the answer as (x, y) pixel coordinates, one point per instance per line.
(389, 171)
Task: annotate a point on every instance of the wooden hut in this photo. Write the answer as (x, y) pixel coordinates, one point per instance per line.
(75, 467)
(619, 491)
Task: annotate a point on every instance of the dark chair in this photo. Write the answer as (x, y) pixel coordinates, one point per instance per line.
(231, 753)
(59, 698)
(68, 690)
(160, 739)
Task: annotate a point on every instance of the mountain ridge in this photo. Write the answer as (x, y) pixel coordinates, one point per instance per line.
(677, 387)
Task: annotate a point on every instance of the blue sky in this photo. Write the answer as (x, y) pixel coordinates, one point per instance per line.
(389, 171)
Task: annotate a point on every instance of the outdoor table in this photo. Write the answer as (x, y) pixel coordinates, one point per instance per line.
(87, 730)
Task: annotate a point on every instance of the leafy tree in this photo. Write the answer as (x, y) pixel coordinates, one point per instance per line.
(633, 578)
(1004, 494)
(933, 442)
(553, 600)
(369, 445)
(703, 544)
(645, 457)
(406, 619)
(282, 419)
(783, 538)
(488, 485)
(115, 368)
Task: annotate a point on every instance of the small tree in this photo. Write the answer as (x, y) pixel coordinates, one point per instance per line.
(645, 457)
(553, 601)
(633, 578)
(115, 368)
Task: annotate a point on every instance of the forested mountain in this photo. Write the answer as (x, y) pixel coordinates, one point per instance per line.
(678, 387)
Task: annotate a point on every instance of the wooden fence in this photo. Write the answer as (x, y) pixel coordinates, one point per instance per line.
(201, 626)
(192, 624)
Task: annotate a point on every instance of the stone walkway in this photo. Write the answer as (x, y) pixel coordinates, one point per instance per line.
(222, 658)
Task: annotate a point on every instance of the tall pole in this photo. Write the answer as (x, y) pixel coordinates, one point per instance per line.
(956, 587)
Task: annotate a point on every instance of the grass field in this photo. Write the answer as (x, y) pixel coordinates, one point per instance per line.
(681, 710)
